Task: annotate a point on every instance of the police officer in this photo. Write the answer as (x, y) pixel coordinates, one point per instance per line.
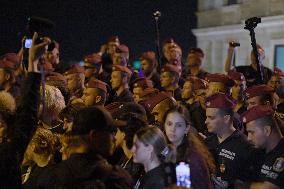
(259, 95)
(229, 146)
(192, 98)
(170, 79)
(237, 90)
(139, 85)
(263, 133)
(218, 82)
(194, 63)
(95, 93)
(120, 84)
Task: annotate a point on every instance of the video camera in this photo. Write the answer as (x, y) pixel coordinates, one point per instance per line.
(251, 23)
(39, 25)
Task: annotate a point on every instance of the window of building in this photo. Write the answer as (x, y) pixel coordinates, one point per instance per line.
(232, 2)
(279, 56)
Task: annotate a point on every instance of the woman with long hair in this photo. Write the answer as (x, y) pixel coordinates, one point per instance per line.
(189, 147)
(150, 149)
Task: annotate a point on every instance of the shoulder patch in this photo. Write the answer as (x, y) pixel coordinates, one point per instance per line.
(278, 165)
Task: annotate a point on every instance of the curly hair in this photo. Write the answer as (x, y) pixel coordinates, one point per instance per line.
(54, 100)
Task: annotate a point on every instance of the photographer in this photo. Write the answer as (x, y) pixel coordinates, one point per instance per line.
(250, 71)
(12, 151)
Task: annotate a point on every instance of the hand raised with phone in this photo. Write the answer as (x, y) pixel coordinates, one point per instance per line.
(36, 51)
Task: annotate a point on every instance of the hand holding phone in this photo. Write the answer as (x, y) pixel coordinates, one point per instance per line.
(183, 174)
(28, 43)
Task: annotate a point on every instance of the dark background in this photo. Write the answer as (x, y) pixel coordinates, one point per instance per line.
(82, 26)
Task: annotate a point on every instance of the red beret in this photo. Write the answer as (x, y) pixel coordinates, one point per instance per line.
(75, 68)
(170, 68)
(257, 112)
(149, 92)
(113, 107)
(7, 65)
(10, 60)
(95, 83)
(122, 49)
(236, 75)
(150, 103)
(121, 68)
(196, 51)
(93, 59)
(54, 76)
(113, 39)
(197, 83)
(220, 100)
(143, 82)
(258, 90)
(221, 78)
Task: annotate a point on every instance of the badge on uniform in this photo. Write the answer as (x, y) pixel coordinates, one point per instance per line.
(278, 165)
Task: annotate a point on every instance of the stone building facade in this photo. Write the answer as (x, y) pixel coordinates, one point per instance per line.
(220, 21)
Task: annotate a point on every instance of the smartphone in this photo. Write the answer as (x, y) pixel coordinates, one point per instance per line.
(136, 65)
(28, 43)
(182, 170)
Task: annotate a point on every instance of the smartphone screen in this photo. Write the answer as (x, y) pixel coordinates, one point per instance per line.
(28, 43)
(183, 174)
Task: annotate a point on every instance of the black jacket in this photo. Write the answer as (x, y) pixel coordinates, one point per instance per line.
(12, 152)
(88, 171)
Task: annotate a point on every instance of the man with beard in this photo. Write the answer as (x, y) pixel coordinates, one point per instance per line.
(149, 65)
(264, 133)
(95, 93)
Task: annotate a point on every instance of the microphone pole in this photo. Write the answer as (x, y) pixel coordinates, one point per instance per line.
(157, 15)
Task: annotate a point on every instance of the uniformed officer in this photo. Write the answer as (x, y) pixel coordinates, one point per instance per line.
(237, 90)
(120, 84)
(149, 67)
(139, 85)
(193, 100)
(95, 92)
(194, 63)
(259, 95)
(158, 105)
(263, 133)
(170, 79)
(229, 146)
(277, 82)
(218, 82)
(75, 80)
(93, 66)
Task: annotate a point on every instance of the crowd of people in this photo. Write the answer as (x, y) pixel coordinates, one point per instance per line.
(107, 124)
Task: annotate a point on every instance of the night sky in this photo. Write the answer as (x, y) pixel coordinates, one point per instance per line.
(81, 27)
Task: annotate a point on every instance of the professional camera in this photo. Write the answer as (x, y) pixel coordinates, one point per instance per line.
(252, 22)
